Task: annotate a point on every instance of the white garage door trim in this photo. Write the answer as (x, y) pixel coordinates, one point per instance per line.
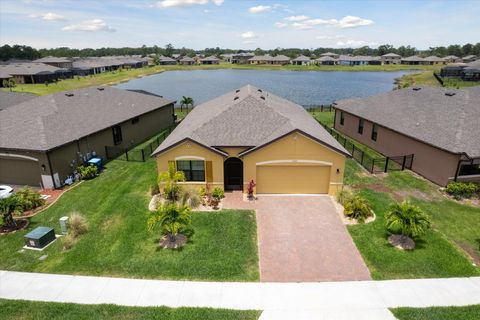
(316, 162)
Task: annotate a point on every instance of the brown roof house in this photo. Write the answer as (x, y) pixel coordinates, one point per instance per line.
(301, 61)
(210, 60)
(391, 58)
(439, 126)
(42, 140)
(250, 134)
(58, 62)
(32, 72)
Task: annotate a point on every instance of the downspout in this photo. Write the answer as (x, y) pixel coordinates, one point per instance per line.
(51, 170)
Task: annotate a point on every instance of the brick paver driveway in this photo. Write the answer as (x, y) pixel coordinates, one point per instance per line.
(301, 238)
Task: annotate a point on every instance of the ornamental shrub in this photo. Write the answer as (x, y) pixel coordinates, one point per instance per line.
(87, 172)
(357, 208)
(27, 199)
(461, 190)
(218, 194)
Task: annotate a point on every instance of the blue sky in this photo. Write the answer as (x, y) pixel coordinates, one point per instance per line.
(238, 23)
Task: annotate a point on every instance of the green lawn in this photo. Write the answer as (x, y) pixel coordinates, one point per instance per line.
(223, 246)
(32, 310)
(325, 117)
(436, 255)
(438, 313)
(426, 78)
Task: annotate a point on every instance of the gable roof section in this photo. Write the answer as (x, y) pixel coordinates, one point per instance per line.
(246, 117)
(9, 99)
(449, 122)
(50, 121)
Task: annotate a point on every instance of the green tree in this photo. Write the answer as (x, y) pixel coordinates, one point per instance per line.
(408, 220)
(186, 101)
(172, 220)
(170, 181)
(9, 83)
(7, 207)
(169, 50)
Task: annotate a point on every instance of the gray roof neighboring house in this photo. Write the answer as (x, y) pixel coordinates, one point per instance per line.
(261, 58)
(28, 68)
(392, 55)
(166, 59)
(9, 99)
(247, 117)
(302, 58)
(51, 59)
(329, 54)
(210, 58)
(445, 118)
(50, 121)
(433, 59)
(472, 56)
(413, 59)
(451, 57)
(187, 59)
(326, 58)
(280, 57)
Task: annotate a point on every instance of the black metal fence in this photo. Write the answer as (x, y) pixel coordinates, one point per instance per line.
(319, 108)
(136, 153)
(372, 164)
(439, 79)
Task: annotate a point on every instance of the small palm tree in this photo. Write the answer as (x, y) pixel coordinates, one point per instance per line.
(172, 219)
(408, 220)
(186, 101)
(170, 179)
(7, 207)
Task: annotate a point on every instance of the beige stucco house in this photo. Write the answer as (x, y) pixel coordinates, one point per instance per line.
(250, 134)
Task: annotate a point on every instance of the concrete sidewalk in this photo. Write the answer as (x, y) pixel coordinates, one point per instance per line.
(322, 300)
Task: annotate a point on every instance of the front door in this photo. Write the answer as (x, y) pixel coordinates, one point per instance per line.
(233, 174)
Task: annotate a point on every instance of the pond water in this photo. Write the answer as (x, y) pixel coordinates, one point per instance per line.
(303, 87)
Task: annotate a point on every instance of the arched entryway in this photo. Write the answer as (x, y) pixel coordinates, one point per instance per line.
(233, 174)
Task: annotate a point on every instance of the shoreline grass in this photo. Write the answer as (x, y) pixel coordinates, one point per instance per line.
(438, 313)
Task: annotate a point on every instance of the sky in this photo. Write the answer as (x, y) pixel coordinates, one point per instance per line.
(238, 24)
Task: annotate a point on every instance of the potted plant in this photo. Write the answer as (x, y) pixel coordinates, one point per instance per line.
(250, 189)
(217, 196)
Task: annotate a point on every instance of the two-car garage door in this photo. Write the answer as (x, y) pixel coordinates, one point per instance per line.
(19, 172)
(293, 179)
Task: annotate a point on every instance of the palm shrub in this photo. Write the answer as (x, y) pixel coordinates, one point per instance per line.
(7, 207)
(357, 208)
(344, 195)
(407, 220)
(172, 220)
(170, 179)
(27, 199)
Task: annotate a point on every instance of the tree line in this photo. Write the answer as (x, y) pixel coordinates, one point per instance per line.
(24, 52)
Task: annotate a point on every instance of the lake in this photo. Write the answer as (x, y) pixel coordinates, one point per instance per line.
(303, 87)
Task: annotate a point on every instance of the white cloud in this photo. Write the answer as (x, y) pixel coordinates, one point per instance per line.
(296, 18)
(49, 16)
(180, 3)
(280, 24)
(323, 37)
(90, 25)
(218, 2)
(248, 35)
(259, 9)
(353, 22)
(301, 26)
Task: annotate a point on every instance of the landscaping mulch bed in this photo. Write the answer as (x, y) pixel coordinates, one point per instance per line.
(401, 242)
(21, 224)
(180, 241)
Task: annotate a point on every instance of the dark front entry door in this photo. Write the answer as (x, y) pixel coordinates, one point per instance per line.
(233, 174)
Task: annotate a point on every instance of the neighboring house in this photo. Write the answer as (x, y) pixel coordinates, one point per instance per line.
(452, 59)
(469, 58)
(465, 71)
(32, 72)
(162, 60)
(391, 58)
(439, 126)
(210, 60)
(44, 139)
(358, 60)
(413, 60)
(279, 60)
(453, 70)
(250, 134)
(61, 62)
(241, 58)
(301, 61)
(260, 59)
(330, 54)
(186, 61)
(433, 60)
(326, 60)
(9, 99)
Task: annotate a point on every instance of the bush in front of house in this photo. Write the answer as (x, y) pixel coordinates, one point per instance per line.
(460, 190)
(169, 180)
(358, 208)
(190, 197)
(173, 220)
(27, 199)
(87, 172)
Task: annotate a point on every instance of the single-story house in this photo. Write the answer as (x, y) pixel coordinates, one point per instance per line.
(33, 72)
(162, 60)
(241, 58)
(9, 99)
(391, 58)
(466, 71)
(469, 58)
(279, 59)
(330, 54)
(326, 60)
(210, 60)
(58, 62)
(187, 61)
(433, 60)
(250, 134)
(452, 59)
(413, 60)
(439, 126)
(358, 60)
(260, 59)
(453, 70)
(301, 61)
(44, 139)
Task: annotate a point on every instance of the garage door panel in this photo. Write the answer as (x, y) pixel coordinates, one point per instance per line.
(293, 179)
(20, 172)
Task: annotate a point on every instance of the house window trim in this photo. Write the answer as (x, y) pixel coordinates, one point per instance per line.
(190, 160)
(361, 126)
(342, 118)
(374, 135)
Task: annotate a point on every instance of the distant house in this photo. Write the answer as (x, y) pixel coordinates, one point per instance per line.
(413, 60)
(162, 60)
(330, 54)
(453, 70)
(279, 60)
(32, 72)
(391, 58)
(465, 71)
(358, 60)
(186, 61)
(44, 139)
(469, 58)
(64, 63)
(250, 134)
(301, 61)
(419, 121)
(260, 59)
(433, 60)
(452, 59)
(326, 60)
(241, 58)
(210, 60)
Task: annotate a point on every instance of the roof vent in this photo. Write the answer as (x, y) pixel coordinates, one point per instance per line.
(237, 91)
(236, 98)
(69, 94)
(100, 88)
(416, 88)
(262, 97)
(260, 90)
(450, 94)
